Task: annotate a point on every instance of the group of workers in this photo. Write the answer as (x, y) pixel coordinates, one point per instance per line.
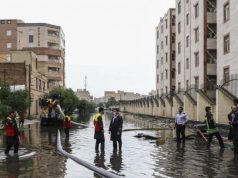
(115, 129)
(181, 120)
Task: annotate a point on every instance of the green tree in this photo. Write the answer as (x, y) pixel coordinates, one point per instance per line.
(112, 102)
(4, 111)
(19, 100)
(4, 93)
(84, 107)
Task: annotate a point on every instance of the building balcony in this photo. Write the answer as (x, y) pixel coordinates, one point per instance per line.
(211, 69)
(211, 43)
(211, 17)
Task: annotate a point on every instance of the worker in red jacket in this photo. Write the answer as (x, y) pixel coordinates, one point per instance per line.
(12, 133)
(67, 125)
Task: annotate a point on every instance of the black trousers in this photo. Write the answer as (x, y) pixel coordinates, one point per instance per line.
(100, 141)
(66, 131)
(180, 129)
(12, 141)
(115, 143)
(235, 139)
(217, 134)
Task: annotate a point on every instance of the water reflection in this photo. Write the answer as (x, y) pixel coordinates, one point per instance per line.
(116, 161)
(139, 157)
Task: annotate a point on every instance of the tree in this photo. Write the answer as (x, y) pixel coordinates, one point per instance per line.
(84, 107)
(19, 100)
(112, 102)
(9, 100)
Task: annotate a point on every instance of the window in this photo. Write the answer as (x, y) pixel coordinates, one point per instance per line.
(162, 44)
(179, 27)
(2, 21)
(162, 28)
(9, 22)
(166, 74)
(179, 86)
(187, 19)
(179, 47)
(226, 44)
(166, 57)
(157, 49)
(226, 12)
(162, 61)
(187, 63)
(157, 78)
(196, 6)
(226, 75)
(187, 84)
(187, 1)
(187, 41)
(9, 45)
(157, 34)
(179, 68)
(157, 64)
(166, 40)
(173, 20)
(9, 33)
(196, 34)
(179, 7)
(166, 23)
(196, 82)
(196, 59)
(31, 38)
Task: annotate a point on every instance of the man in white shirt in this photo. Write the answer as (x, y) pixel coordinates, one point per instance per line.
(180, 121)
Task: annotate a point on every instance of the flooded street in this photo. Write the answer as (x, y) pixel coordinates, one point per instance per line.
(139, 157)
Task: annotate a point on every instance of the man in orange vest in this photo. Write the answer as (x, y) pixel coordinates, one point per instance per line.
(67, 124)
(99, 131)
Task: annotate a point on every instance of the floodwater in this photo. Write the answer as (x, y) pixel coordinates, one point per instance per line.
(140, 158)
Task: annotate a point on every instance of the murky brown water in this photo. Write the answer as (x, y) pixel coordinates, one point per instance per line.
(139, 157)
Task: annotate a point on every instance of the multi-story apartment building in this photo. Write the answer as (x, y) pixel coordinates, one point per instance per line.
(165, 53)
(227, 45)
(83, 94)
(195, 45)
(46, 40)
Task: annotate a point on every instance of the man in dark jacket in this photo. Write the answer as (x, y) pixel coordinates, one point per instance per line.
(115, 129)
(12, 133)
(234, 125)
(212, 128)
(99, 130)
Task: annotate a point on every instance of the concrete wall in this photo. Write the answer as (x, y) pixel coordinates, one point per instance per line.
(223, 106)
(195, 111)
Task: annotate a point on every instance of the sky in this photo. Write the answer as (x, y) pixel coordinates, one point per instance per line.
(112, 42)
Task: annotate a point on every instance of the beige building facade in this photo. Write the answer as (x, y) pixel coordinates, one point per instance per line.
(83, 94)
(121, 95)
(196, 36)
(45, 40)
(227, 45)
(165, 53)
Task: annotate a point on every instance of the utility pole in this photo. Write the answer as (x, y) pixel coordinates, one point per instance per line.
(29, 90)
(85, 83)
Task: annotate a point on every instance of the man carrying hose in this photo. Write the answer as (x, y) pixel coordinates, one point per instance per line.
(212, 128)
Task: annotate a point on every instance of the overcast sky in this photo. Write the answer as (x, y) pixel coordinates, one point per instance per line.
(112, 42)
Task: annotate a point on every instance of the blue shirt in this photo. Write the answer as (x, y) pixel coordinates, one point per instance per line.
(181, 118)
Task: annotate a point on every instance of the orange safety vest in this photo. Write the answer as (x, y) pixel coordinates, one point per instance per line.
(96, 122)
